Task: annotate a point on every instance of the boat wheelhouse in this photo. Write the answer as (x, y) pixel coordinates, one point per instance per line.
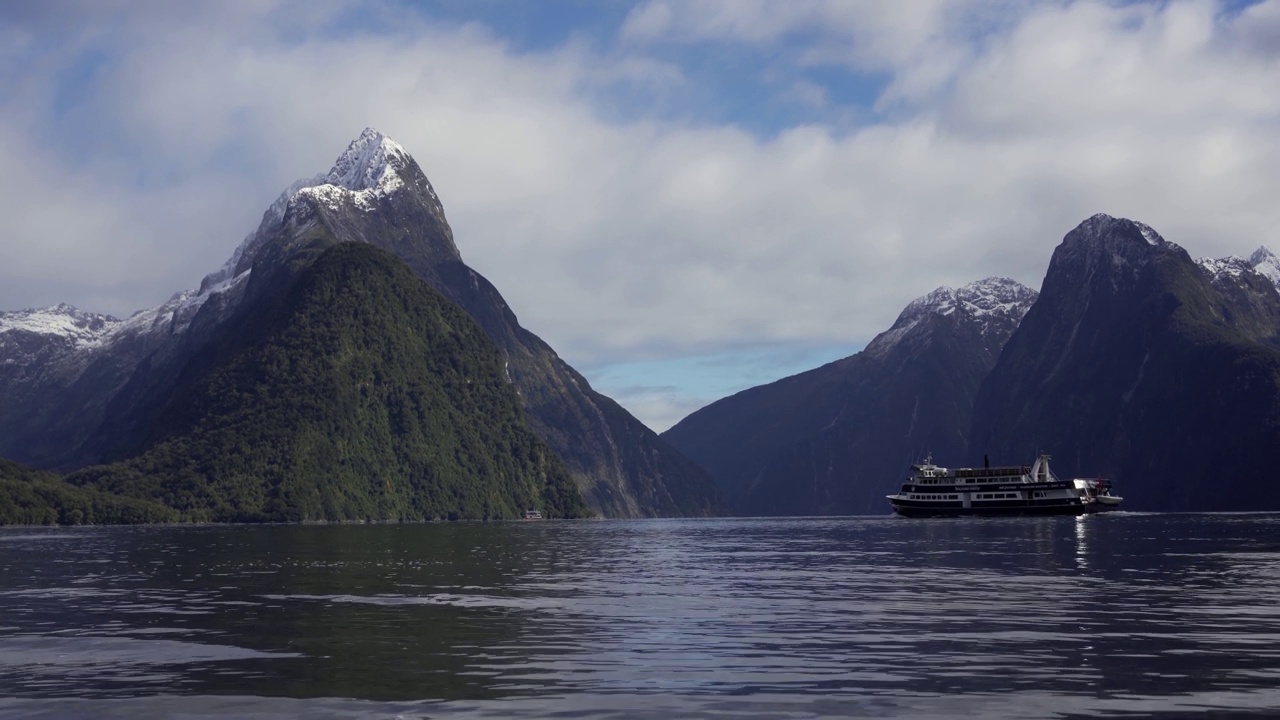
(934, 491)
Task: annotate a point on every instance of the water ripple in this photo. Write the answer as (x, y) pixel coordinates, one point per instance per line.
(1123, 616)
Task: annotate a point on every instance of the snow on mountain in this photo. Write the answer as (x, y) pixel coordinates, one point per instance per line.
(242, 258)
(1102, 225)
(1229, 266)
(370, 162)
(370, 168)
(59, 340)
(79, 329)
(1150, 235)
(175, 315)
(67, 339)
(995, 304)
(987, 300)
(1267, 264)
(1119, 242)
(1262, 261)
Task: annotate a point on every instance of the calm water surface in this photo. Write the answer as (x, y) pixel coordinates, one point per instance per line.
(1120, 615)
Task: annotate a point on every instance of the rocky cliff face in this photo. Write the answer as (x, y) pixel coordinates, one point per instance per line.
(836, 439)
(105, 391)
(1140, 364)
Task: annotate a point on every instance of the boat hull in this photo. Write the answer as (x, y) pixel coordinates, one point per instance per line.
(918, 511)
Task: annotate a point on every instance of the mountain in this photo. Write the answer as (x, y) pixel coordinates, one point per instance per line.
(837, 439)
(349, 390)
(1266, 264)
(1249, 291)
(69, 405)
(1140, 364)
(60, 368)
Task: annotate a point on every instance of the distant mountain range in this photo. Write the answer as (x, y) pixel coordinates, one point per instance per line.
(1133, 362)
(345, 363)
(79, 389)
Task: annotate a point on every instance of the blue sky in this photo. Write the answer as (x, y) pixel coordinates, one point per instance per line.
(684, 198)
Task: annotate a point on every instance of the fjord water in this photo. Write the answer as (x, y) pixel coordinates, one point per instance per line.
(1119, 615)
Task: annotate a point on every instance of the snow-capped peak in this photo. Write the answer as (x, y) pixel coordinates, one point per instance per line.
(1262, 261)
(373, 166)
(372, 160)
(995, 304)
(79, 329)
(990, 297)
(1232, 265)
(1266, 264)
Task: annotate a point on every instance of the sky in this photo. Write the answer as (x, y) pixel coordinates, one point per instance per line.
(684, 198)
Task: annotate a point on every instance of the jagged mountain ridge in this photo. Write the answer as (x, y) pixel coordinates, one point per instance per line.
(375, 193)
(836, 439)
(1141, 364)
(1263, 262)
(994, 306)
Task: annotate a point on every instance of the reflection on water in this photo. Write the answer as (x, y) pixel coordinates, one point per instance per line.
(1082, 541)
(1116, 614)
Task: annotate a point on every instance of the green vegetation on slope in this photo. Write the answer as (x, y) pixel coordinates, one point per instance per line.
(32, 497)
(357, 393)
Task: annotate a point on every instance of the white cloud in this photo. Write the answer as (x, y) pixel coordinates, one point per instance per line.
(921, 44)
(619, 234)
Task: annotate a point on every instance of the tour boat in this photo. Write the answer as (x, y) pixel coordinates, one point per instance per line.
(935, 491)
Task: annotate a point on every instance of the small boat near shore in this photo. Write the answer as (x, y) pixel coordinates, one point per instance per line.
(934, 491)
